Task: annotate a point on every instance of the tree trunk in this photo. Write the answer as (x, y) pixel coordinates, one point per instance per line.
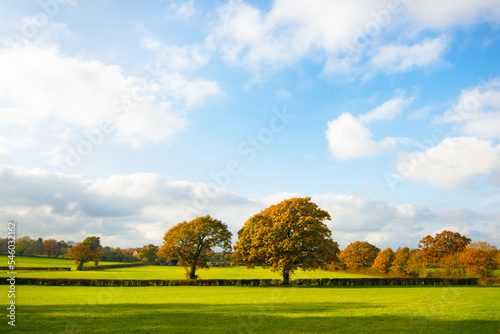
(192, 273)
(79, 266)
(286, 277)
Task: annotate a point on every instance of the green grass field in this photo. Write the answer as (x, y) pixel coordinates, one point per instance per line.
(42, 309)
(24, 261)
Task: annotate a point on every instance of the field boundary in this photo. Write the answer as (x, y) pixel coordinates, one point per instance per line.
(244, 282)
(39, 268)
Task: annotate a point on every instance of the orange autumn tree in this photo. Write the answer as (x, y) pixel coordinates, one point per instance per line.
(445, 243)
(359, 254)
(192, 242)
(384, 260)
(287, 236)
(82, 254)
(480, 258)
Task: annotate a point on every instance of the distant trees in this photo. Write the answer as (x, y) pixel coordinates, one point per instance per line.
(49, 247)
(400, 263)
(81, 254)
(148, 253)
(359, 254)
(480, 258)
(384, 260)
(192, 242)
(287, 236)
(443, 244)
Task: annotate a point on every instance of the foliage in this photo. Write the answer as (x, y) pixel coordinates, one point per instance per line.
(445, 243)
(192, 242)
(81, 254)
(50, 246)
(359, 254)
(400, 264)
(384, 260)
(286, 236)
(416, 265)
(148, 252)
(95, 245)
(480, 258)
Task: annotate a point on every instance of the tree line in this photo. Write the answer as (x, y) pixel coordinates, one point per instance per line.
(285, 237)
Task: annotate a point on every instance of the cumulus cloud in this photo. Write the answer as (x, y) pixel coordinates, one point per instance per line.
(477, 110)
(344, 36)
(349, 136)
(452, 162)
(136, 209)
(55, 96)
(183, 10)
(403, 58)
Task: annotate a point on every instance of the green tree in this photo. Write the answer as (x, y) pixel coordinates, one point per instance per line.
(359, 254)
(23, 244)
(445, 243)
(192, 242)
(95, 245)
(384, 260)
(148, 252)
(285, 237)
(82, 254)
(400, 264)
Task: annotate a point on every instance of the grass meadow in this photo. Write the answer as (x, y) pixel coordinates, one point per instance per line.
(45, 309)
(192, 309)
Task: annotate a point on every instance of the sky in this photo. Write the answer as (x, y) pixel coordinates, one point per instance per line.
(120, 119)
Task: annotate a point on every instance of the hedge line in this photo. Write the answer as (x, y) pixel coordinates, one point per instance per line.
(114, 266)
(244, 282)
(38, 268)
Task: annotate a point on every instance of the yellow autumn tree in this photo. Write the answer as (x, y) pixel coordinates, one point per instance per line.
(192, 242)
(287, 236)
(384, 260)
(445, 243)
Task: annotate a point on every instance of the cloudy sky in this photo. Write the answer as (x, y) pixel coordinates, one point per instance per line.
(121, 119)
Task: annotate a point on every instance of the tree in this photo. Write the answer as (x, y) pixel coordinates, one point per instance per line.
(445, 243)
(82, 254)
(192, 242)
(480, 258)
(400, 264)
(285, 237)
(49, 246)
(359, 254)
(384, 260)
(95, 245)
(23, 244)
(148, 252)
(416, 265)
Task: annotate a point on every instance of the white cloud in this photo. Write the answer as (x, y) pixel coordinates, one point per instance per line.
(136, 209)
(183, 11)
(402, 58)
(343, 35)
(349, 137)
(45, 92)
(283, 94)
(452, 162)
(477, 110)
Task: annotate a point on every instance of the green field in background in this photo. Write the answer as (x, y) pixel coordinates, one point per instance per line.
(25, 261)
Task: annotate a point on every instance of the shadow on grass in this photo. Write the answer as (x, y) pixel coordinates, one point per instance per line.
(237, 318)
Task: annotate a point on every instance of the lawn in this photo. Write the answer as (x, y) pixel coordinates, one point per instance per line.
(25, 261)
(44, 309)
(175, 272)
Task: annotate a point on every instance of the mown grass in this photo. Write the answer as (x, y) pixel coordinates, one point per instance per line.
(175, 272)
(25, 261)
(42, 309)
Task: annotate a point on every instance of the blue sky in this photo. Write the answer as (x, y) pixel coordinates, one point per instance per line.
(121, 119)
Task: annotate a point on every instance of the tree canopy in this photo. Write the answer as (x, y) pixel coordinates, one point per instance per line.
(285, 237)
(82, 254)
(359, 254)
(192, 242)
(148, 252)
(445, 243)
(384, 260)
(95, 245)
(480, 258)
